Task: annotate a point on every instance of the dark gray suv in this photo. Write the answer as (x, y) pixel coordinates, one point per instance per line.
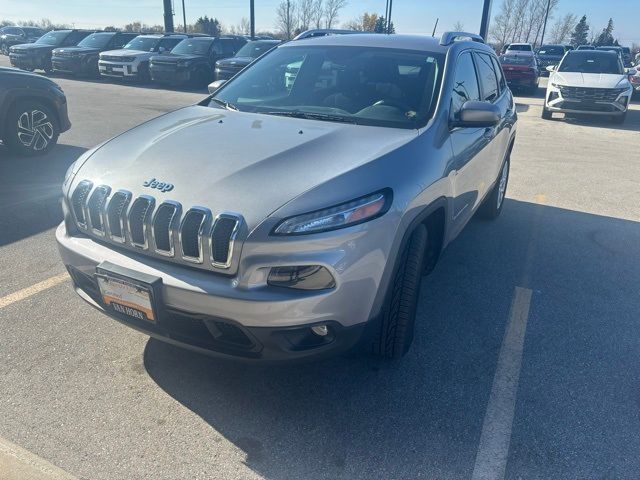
(293, 216)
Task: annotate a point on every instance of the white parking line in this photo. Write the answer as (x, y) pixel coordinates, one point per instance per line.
(16, 463)
(491, 458)
(32, 290)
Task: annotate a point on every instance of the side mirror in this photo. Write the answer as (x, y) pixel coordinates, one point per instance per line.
(161, 50)
(213, 86)
(551, 68)
(631, 71)
(478, 115)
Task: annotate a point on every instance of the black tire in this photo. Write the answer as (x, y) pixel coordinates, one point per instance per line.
(492, 205)
(546, 114)
(4, 49)
(144, 76)
(22, 137)
(394, 334)
(619, 119)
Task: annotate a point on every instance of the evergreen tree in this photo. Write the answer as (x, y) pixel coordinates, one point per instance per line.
(580, 35)
(381, 24)
(606, 37)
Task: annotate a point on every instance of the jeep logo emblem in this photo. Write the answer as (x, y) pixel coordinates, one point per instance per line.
(162, 186)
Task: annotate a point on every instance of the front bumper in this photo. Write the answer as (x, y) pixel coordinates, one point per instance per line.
(170, 74)
(555, 102)
(272, 323)
(223, 73)
(118, 70)
(73, 65)
(25, 62)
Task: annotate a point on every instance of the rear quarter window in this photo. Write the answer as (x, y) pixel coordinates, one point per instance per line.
(488, 79)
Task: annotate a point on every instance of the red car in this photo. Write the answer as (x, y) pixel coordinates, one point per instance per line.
(521, 71)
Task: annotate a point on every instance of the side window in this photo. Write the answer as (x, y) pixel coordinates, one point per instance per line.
(73, 39)
(217, 48)
(119, 41)
(169, 43)
(228, 47)
(465, 84)
(501, 80)
(487, 76)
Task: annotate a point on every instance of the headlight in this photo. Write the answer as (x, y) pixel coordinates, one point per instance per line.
(344, 215)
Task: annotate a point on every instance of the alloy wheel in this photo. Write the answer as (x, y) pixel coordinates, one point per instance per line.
(502, 186)
(35, 130)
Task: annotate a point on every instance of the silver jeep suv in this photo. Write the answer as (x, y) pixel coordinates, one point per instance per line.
(285, 220)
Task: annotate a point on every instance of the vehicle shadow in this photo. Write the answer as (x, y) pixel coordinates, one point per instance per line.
(358, 418)
(632, 122)
(30, 189)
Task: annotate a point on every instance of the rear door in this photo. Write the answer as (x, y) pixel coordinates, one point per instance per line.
(494, 90)
(470, 145)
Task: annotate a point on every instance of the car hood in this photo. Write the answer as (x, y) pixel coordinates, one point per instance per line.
(174, 57)
(32, 47)
(241, 162)
(76, 49)
(235, 62)
(592, 80)
(124, 53)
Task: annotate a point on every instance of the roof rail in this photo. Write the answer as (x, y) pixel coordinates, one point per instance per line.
(323, 32)
(448, 38)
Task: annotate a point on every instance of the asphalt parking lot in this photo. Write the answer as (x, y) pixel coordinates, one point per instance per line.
(525, 364)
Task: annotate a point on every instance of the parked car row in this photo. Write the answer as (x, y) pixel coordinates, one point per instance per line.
(170, 58)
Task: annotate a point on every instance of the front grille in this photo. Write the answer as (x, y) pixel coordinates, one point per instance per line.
(138, 219)
(191, 232)
(110, 58)
(96, 208)
(194, 237)
(590, 94)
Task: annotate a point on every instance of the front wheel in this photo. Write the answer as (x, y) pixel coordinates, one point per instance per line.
(395, 329)
(546, 114)
(492, 205)
(619, 119)
(5, 49)
(32, 129)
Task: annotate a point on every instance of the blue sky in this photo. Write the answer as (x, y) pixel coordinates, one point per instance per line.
(410, 16)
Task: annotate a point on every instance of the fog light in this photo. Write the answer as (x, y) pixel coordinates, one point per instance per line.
(553, 96)
(307, 277)
(320, 330)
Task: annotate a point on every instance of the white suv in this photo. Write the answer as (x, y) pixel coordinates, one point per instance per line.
(132, 61)
(588, 81)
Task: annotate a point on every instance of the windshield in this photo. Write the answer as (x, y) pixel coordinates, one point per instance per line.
(255, 49)
(193, 46)
(590, 62)
(52, 38)
(33, 31)
(550, 50)
(369, 86)
(520, 48)
(516, 60)
(96, 40)
(146, 44)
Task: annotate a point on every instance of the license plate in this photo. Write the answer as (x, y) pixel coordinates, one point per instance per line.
(127, 297)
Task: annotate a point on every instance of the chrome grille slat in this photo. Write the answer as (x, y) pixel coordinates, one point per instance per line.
(191, 234)
(95, 209)
(222, 238)
(590, 94)
(138, 221)
(78, 202)
(164, 230)
(115, 215)
(164, 227)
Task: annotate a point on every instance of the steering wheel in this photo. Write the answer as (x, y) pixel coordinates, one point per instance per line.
(393, 103)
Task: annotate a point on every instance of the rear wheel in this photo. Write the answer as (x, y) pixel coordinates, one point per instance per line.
(492, 205)
(200, 77)
(396, 326)
(32, 129)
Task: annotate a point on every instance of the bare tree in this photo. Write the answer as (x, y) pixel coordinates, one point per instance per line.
(305, 14)
(503, 22)
(332, 10)
(458, 26)
(364, 23)
(521, 21)
(561, 30)
(317, 14)
(286, 18)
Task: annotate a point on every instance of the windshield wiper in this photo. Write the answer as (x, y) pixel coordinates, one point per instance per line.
(312, 116)
(225, 104)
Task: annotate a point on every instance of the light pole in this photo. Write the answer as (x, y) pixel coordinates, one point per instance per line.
(389, 17)
(168, 16)
(544, 27)
(484, 23)
(184, 18)
(252, 19)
